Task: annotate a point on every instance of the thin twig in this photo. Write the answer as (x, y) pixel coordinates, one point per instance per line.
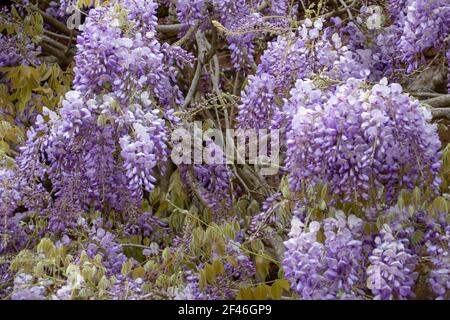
(341, 10)
(70, 41)
(135, 245)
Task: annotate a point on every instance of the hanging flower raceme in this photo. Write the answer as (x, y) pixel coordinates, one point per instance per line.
(145, 151)
(16, 45)
(338, 258)
(91, 206)
(424, 235)
(11, 53)
(359, 140)
(238, 17)
(448, 62)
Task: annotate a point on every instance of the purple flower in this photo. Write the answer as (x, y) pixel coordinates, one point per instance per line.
(354, 139)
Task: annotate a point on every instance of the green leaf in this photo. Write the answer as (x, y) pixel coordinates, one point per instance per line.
(218, 266)
(245, 294)
(126, 267)
(417, 196)
(198, 236)
(284, 187)
(257, 245)
(220, 246)
(324, 192)
(322, 205)
(138, 272)
(417, 237)
(176, 191)
(232, 261)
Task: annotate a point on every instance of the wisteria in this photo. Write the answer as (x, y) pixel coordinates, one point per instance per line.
(123, 63)
(423, 26)
(350, 264)
(328, 270)
(220, 150)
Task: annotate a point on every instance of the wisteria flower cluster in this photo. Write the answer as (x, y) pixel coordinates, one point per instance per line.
(350, 264)
(329, 270)
(351, 95)
(358, 140)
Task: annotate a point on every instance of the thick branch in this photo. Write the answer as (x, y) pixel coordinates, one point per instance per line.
(171, 28)
(439, 102)
(347, 9)
(63, 59)
(425, 95)
(57, 35)
(188, 35)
